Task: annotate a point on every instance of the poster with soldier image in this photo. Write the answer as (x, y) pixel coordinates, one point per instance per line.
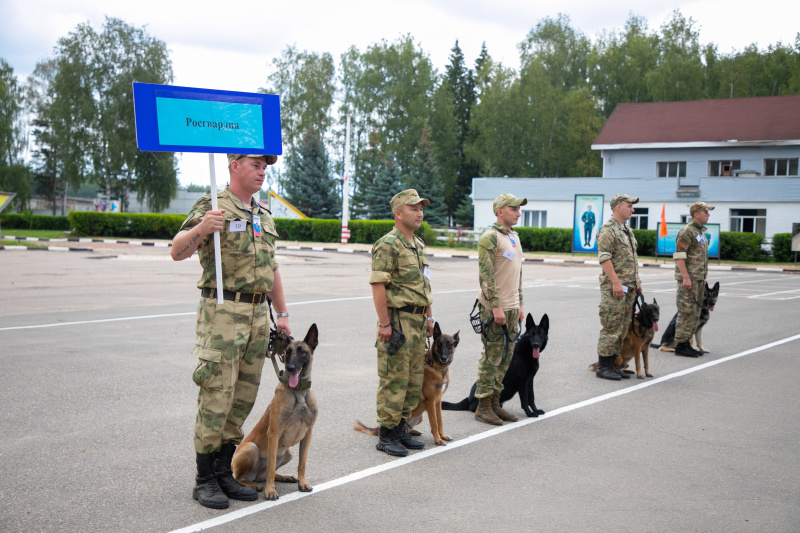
(588, 217)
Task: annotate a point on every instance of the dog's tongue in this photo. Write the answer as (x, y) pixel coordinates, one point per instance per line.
(535, 353)
(294, 379)
(655, 326)
(710, 307)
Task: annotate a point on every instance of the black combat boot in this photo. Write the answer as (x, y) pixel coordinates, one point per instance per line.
(222, 468)
(686, 350)
(605, 366)
(401, 430)
(389, 443)
(207, 491)
(617, 371)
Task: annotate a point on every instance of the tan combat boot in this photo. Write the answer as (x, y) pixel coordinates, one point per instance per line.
(484, 412)
(500, 412)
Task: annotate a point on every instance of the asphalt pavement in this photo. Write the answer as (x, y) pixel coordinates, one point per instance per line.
(98, 404)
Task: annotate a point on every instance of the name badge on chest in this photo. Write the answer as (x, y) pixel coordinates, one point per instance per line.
(237, 225)
(256, 226)
(508, 254)
(426, 272)
(701, 238)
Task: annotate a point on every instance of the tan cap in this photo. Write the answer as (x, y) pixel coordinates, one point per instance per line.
(619, 198)
(271, 159)
(700, 206)
(507, 199)
(407, 197)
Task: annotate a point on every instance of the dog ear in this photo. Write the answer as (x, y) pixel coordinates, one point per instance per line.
(545, 322)
(529, 323)
(437, 331)
(312, 337)
(654, 301)
(455, 339)
(716, 287)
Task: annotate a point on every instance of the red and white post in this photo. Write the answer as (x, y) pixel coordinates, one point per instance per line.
(346, 185)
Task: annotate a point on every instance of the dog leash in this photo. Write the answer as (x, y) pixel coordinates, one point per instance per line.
(278, 341)
(643, 320)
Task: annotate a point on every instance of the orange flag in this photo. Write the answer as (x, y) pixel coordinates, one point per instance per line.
(663, 232)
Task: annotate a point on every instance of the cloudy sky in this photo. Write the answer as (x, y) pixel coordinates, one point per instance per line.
(207, 37)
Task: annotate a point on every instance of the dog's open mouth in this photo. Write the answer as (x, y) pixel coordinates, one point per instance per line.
(294, 377)
(535, 352)
(710, 307)
(655, 326)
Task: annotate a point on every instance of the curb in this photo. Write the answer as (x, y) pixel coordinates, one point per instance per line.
(354, 251)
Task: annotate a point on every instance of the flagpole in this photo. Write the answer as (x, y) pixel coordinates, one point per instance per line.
(217, 258)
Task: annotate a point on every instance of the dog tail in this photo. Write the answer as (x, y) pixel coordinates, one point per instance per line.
(463, 405)
(358, 426)
(653, 345)
(593, 367)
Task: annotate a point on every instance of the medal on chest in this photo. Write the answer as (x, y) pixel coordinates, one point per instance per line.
(513, 242)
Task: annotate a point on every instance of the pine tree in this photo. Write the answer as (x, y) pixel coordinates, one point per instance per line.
(386, 185)
(308, 184)
(424, 176)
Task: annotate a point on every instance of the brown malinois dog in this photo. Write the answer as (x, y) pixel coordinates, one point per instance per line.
(637, 341)
(288, 420)
(434, 382)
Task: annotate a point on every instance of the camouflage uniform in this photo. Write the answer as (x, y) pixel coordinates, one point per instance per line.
(496, 354)
(402, 266)
(231, 340)
(616, 243)
(691, 241)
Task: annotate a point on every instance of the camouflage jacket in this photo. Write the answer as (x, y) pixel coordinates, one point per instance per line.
(692, 240)
(402, 266)
(500, 268)
(616, 242)
(248, 261)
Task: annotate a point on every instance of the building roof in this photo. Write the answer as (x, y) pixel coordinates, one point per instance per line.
(712, 189)
(764, 120)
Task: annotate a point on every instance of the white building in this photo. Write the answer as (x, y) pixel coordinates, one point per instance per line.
(740, 155)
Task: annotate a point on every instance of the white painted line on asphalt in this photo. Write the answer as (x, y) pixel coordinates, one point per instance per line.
(122, 319)
(247, 511)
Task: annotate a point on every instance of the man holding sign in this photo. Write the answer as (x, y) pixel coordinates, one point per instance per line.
(231, 337)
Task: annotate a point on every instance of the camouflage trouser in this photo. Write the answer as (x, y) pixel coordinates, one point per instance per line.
(495, 358)
(688, 310)
(400, 375)
(615, 318)
(231, 347)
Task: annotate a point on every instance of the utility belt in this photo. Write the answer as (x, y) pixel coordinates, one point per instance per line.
(254, 298)
(413, 309)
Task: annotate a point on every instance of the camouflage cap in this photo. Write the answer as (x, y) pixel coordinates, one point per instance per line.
(700, 206)
(407, 197)
(507, 199)
(271, 159)
(619, 198)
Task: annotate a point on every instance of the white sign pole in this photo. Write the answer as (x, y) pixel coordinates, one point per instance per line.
(217, 258)
(346, 185)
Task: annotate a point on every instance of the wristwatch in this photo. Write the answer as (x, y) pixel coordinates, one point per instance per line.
(281, 315)
(431, 319)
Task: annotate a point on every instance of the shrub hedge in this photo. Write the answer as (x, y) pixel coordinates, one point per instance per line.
(30, 221)
(733, 245)
(782, 247)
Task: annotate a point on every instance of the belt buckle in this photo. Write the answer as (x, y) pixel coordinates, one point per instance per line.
(258, 294)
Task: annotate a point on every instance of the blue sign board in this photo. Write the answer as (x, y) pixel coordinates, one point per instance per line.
(666, 245)
(186, 119)
(588, 217)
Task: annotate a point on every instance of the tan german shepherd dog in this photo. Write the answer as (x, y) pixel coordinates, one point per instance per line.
(434, 383)
(288, 420)
(637, 341)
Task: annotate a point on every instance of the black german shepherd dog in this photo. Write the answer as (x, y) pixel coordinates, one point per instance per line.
(521, 371)
(668, 338)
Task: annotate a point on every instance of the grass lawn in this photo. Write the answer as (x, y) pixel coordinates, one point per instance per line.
(38, 233)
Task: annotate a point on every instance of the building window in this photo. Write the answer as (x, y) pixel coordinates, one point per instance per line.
(780, 167)
(749, 220)
(671, 169)
(639, 218)
(723, 168)
(534, 219)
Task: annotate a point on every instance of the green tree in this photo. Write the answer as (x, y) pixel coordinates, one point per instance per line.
(305, 82)
(678, 74)
(560, 49)
(423, 175)
(386, 185)
(14, 176)
(308, 184)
